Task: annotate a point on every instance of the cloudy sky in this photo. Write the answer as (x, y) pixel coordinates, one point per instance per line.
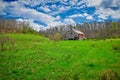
(46, 13)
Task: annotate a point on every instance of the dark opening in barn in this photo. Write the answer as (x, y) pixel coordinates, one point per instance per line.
(74, 34)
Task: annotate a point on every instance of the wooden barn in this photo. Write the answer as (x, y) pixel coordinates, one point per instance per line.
(74, 34)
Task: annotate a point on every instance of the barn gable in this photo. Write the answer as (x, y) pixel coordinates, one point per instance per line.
(74, 34)
(71, 35)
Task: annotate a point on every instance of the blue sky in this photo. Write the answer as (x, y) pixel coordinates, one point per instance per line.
(50, 13)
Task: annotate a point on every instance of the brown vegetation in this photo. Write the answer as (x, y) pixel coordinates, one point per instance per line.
(6, 43)
(55, 36)
(12, 26)
(109, 75)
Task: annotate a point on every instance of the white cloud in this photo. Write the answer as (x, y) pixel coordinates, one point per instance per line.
(53, 24)
(45, 9)
(104, 13)
(38, 27)
(102, 16)
(76, 15)
(81, 2)
(58, 17)
(85, 14)
(89, 17)
(79, 7)
(69, 21)
(2, 7)
(64, 8)
(19, 20)
(116, 14)
(60, 9)
(21, 11)
(33, 3)
(72, 2)
(33, 25)
(53, 6)
(92, 2)
(105, 8)
(102, 3)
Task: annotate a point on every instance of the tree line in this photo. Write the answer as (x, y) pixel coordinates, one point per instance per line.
(13, 26)
(96, 30)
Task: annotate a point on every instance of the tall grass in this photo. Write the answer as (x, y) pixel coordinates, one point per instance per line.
(6, 42)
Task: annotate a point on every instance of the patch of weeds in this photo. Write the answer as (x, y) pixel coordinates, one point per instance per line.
(7, 43)
(75, 47)
(68, 58)
(76, 77)
(93, 45)
(116, 47)
(91, 65)
(109, 75)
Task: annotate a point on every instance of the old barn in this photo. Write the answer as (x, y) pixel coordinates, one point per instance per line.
(74, 34)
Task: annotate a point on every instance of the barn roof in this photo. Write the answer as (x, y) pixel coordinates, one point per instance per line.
(79, 32)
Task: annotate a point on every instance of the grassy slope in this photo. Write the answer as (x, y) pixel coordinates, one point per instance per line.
(37, 58)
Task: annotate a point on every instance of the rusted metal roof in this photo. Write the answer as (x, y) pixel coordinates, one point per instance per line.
(79, 32)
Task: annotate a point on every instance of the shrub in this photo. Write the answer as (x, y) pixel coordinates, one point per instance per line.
(55, 36)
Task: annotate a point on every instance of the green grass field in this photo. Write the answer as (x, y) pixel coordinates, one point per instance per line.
(38, 58)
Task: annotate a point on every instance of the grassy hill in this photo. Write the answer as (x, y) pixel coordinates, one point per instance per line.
(37, 58)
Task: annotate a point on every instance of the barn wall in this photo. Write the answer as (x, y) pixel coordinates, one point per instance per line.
(71, 35)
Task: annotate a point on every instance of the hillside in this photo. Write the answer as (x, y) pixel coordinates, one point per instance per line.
(37, 58)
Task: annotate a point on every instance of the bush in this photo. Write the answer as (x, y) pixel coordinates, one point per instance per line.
(55, 36)
(6, 43)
